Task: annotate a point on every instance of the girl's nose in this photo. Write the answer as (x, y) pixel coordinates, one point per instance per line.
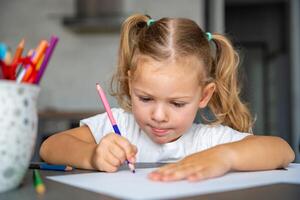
(159, 114)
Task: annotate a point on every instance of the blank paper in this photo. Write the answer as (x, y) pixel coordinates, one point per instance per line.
(126, 185)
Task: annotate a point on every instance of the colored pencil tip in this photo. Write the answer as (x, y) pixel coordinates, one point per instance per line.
(69, 168)
(22, 43)
(98, 86)
(131, 167)
(40, 189)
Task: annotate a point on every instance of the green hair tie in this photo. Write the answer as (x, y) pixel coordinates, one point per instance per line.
(209, 36)
(150, 22)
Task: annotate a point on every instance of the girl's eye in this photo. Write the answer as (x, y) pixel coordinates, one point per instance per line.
(179, 105)
(145, 99)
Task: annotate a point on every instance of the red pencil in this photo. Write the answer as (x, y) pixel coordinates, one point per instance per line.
(17, 56)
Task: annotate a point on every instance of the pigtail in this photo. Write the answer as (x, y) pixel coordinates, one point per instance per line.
(225, 102)
(130, 32)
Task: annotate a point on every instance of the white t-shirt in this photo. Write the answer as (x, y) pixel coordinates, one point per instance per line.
(198, 138)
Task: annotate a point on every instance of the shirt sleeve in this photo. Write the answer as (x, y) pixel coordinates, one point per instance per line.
(225, 134)
(210, 136)
(100, 125)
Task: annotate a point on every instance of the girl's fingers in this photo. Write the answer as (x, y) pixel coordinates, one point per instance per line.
(109, 157)
(165, 168)
(112, 151)
(174, 172)
(112, 160)
(163, 172)
(158, 173)
(118, 152)
(129, 149)
(170, 168)
(108, 167)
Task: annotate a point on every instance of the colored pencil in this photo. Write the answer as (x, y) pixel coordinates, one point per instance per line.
(39, 52)
(45, 166)
(38, 182)
(18, 52)
(23, 70)
(48, 54)
(17, 56)
(111, 118)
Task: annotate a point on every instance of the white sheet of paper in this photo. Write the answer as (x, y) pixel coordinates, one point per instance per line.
(125, 185)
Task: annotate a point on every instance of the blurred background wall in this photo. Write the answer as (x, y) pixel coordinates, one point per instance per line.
(265, 32)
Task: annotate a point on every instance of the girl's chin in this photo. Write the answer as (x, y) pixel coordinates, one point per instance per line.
(158, 140)
(162, 140)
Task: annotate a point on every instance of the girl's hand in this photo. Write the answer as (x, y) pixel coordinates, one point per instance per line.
(198, 166)
(111, 152)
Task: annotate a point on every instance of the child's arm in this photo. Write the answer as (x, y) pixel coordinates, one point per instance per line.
(77, 147)
(72, 147)
(251, 153)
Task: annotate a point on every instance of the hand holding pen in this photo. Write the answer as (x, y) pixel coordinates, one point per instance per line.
(113, 149)
(111, 152)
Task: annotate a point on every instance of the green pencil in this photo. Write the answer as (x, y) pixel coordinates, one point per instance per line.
(38, 182)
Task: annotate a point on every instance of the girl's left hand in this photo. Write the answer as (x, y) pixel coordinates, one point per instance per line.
(210, 163)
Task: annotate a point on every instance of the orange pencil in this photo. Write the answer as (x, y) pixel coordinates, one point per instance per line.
(28, 72)
(19, 51)
(41, 49)
(40, 63)
(43, 45)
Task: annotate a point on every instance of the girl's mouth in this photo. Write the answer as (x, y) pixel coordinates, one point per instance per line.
(159, 131)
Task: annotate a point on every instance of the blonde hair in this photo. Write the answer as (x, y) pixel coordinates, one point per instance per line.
(175, 38)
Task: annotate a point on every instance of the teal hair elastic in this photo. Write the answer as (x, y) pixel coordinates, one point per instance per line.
(209, 36)
(150, 22)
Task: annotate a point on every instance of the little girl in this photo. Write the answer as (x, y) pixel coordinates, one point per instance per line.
(167, 71)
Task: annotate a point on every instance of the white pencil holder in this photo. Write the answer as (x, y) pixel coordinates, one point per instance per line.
(18, 131)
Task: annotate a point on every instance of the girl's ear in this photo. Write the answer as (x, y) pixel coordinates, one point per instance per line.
(207, 92)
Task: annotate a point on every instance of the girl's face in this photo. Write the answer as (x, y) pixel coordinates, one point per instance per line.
(165, 97)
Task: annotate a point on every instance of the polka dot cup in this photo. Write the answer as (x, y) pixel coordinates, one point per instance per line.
(18, 131)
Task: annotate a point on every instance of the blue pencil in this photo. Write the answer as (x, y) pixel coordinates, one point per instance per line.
(45, 166)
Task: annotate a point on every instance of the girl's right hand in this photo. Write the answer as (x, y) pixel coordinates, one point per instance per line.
(111, 152)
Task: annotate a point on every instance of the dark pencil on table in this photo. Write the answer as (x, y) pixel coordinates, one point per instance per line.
(45, 166)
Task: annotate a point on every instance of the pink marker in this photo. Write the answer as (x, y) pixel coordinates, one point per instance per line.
(111, 118)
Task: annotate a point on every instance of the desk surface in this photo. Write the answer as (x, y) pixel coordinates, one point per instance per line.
(55, 190)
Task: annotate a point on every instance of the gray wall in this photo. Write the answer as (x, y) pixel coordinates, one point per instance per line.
(80, 60)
